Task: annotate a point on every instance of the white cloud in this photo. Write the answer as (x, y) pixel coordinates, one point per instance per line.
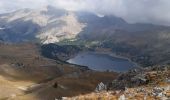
(150, 11)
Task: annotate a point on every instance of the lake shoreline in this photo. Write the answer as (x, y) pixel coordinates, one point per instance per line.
(118, 56)
(109, 54)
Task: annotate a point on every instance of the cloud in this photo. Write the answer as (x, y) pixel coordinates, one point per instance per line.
(133, 11)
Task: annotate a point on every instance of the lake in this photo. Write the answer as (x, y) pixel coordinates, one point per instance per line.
(102, 62)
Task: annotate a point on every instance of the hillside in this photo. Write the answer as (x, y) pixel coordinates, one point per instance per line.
(132, 85)
(25, 74)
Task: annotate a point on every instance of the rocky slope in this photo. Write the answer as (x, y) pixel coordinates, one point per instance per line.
(49, 25)
(149, 84)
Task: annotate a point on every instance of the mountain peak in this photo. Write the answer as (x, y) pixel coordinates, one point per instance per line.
(47, 8)
(50, 7)
(52, 11)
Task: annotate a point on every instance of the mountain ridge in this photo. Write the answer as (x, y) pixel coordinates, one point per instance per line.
(51, 25)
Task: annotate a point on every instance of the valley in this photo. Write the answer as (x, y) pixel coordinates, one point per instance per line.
(52, 53)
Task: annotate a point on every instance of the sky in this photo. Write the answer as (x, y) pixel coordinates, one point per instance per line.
(133, 11)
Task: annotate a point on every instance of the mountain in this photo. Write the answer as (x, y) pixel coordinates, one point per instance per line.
(50, 25)
(33, 71)
(142, 42)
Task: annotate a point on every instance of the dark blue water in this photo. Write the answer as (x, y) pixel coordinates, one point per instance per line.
(102, 62)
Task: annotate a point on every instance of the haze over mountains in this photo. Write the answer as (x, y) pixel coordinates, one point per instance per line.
(51, 25)
(47, 24)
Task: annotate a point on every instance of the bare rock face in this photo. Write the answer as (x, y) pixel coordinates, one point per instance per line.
(70, 29)
(48, 25)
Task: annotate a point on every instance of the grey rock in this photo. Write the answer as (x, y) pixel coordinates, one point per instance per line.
(100, 87)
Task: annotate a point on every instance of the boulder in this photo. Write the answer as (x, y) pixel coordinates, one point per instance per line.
(157, 91)
(100, 87)
(139, 79)
(122, 97)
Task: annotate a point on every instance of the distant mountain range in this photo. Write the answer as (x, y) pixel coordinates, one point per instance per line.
(144, 43)
(51, 25)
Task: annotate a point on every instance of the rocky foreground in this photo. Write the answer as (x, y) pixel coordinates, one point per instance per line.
(151, 83)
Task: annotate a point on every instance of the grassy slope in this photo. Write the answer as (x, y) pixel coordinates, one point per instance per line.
(22, 66)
